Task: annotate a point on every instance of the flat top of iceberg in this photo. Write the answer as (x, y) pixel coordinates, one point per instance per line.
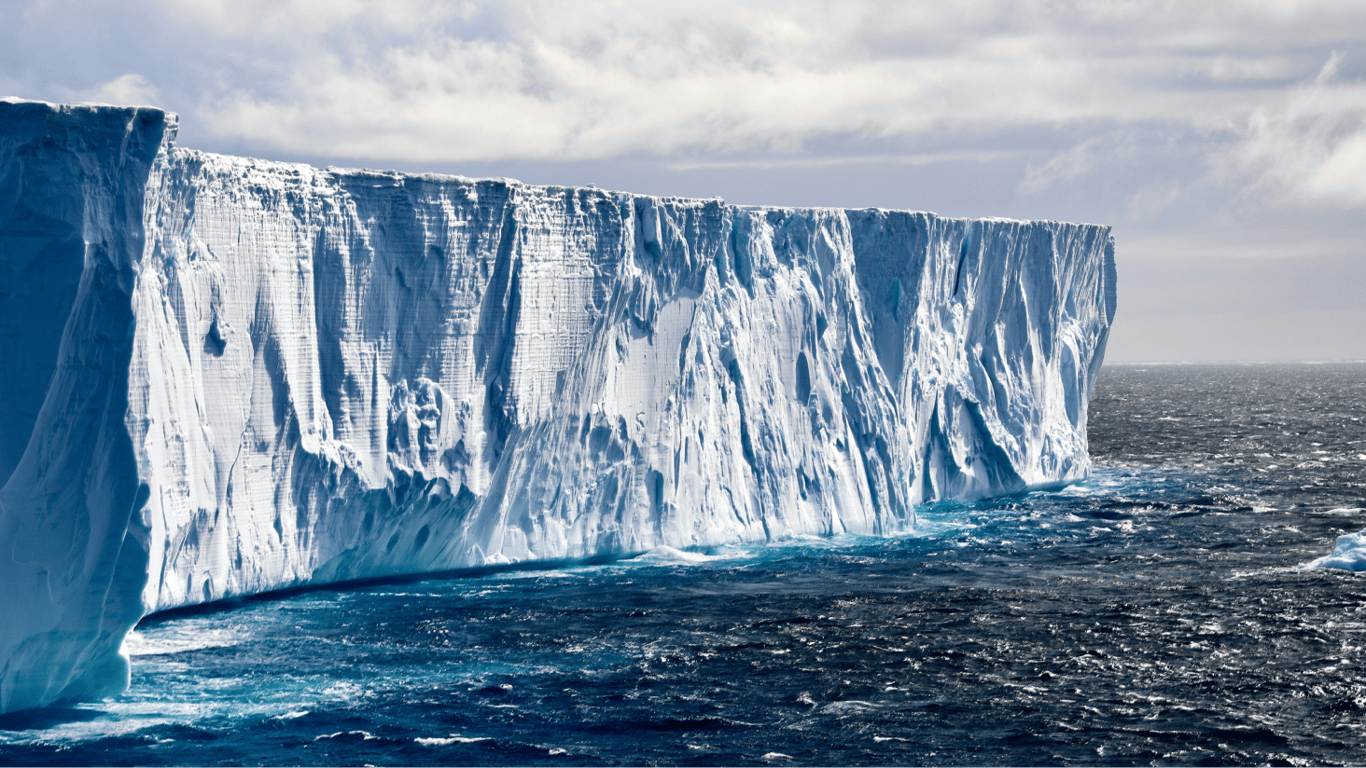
(173, 119)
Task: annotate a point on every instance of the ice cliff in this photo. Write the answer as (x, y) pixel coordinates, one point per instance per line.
(224, 376)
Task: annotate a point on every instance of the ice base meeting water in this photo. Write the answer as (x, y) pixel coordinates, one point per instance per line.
(1155, 614)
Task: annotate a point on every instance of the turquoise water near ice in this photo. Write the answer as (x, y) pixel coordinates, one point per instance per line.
(1154, 614)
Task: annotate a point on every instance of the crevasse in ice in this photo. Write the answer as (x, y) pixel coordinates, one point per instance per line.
(225, 376)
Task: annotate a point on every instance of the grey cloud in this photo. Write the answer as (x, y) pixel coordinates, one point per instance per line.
(426, 81)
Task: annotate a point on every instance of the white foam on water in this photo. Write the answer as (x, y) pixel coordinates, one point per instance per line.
(670, 556)
(175, 637)
(345, 692)
(851, 707)
(127, 715)
(442, 741)
(69, 733)
(365, 735)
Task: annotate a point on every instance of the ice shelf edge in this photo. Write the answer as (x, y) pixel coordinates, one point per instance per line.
(268, 374)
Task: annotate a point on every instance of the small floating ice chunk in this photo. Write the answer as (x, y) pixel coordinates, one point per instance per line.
(1348, 555)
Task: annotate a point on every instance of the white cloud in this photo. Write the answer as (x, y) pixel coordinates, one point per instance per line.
(427, 81)
(1062, 167)
(1310, 146)
(423, 81)
(1342, 176)
(130, 89)
(1229, 247)
(779, 161)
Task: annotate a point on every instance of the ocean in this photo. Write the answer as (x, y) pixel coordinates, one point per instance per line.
(1156, 614)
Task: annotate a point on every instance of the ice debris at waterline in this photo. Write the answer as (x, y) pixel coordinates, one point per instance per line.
(226, 375)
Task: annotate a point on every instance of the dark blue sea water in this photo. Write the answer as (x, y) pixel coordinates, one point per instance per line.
(1155, 614)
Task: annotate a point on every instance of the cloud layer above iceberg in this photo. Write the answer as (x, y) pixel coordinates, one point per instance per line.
(1271, 86)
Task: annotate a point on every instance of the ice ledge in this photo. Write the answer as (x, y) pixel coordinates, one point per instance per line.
(231, 375)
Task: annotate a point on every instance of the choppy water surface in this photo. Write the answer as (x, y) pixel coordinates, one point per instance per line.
(1152, 615)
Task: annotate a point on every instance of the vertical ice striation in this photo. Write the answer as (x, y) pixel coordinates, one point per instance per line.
(226, 376)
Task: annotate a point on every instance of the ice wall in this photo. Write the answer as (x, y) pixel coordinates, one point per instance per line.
(271, 374)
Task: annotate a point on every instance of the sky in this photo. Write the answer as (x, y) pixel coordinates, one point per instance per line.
(1224, 143)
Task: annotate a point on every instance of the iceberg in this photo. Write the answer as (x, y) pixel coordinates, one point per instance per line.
(225, 376)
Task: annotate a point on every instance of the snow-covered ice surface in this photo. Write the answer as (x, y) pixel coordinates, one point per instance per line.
(226, 376)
